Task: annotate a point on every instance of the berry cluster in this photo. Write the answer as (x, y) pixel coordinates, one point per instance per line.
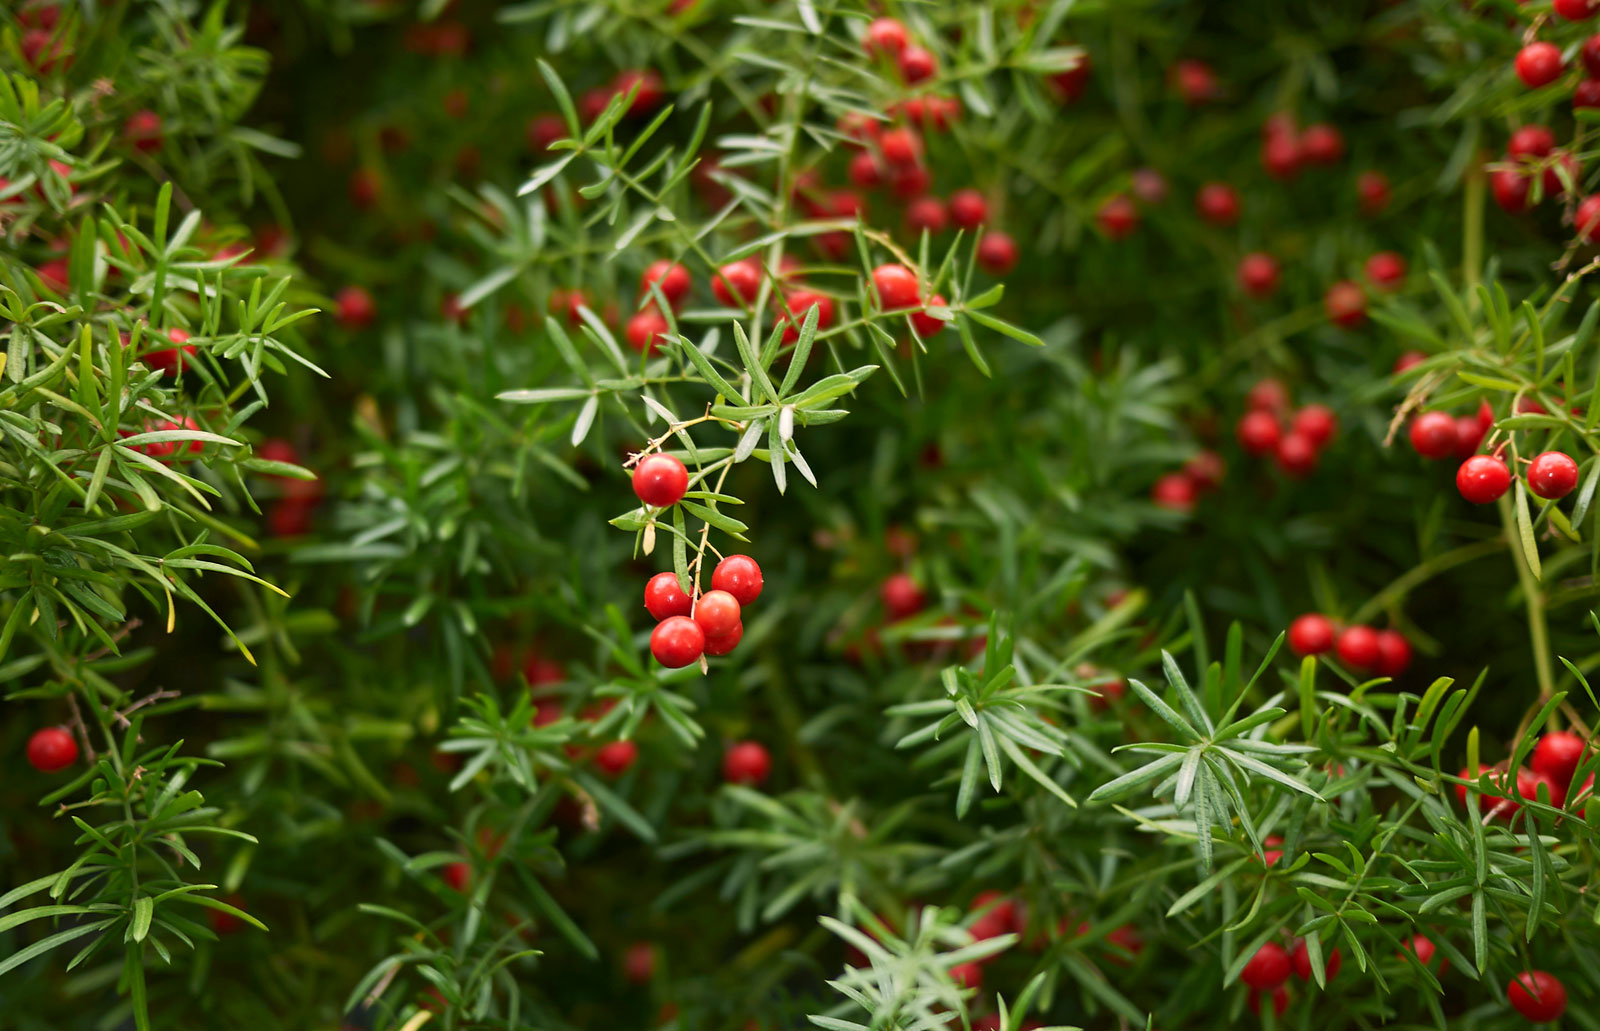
(1384, 652)
(1553, 765)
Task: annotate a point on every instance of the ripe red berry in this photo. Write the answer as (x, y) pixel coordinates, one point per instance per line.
(1552, 475)
(1345, 304)
(1510, 189)
(1317, 423)
(885, 36)
(639, 963)
(1258, 274)
(648, 329)
(1433, 435)
(1267, 969)
(1587, 219)
(1311, 634)
(909, 181)
(544, 130)
(1576, 10)
(1422, 947)
(1117, 217)
(1259, 432)
(997, 253)
(1372, 193)
(927, 213)
(1586, 94)
(1217, 203)
(1176, 491)
(660, 480)
(1206, 469)
(1539, 64)
(1470, 432)
(1296, 455)
(901, 596)
(677, 641)
(354, 308)
(1321, 144)
(797, 303)
(1268, 395)
(1069, 85)
(717, 646)
(740, 576)
(1531, 141)
(1358, 647)
(1589, 53)
(717, 613)
(1557, 756)
(1482, 479)
(917, 64)
(1555, 182)
(897, 287)
(968, 209)
(927, 325)
(1194, 81)
(170, 360)
(746, 762)
(967, 975)
(1538, 996)
(1394, 653)
(664, 597)
(1301, 959)
(52, 749)
(614, 758)
(457, 875)
(672, 277)
(901, 146)
(735, 285)
(142, 131)
(1386, 270)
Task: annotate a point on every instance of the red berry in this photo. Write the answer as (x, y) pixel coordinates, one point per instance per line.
(1555, 183)
(660, 480)
(544, 130)
(927, 325)
(1217, 203)
(1587, 219)
(615, 758)
(1510, 189)
(865, 171)
(1589, 53)
(171, 360)
(1206, 469)
(909, 181)
(1267, 969)
(917, 64)
(1258, 274)
(1386, 270)
(798, 303)
(639, 963)
(1280, 155)
(1259, 432)
(1297, 455)
(1539, 64)
(651, 89)
(1372, 191)
(717, 613)
(1469, 435)
(1321, 144)
(1069, 85)
(739, 576)
(717, 646)
(664, 597)
(142, 131)
(1176, 491)
(1272, 850)
(968, 209)
(885, 36)
(677, 641)
(897, 287)
(967, 975)
(1311, 634)
(1195, 82)
(1268, 395)
(1149, 185)
(901, 596)
(354, 308)
(1408, 360)
(1537, 995)
(1345, 304)
(648, 330)
(1394, 653)
(1358, 647)
(52, 749)
(1586, 94)
(1552, 475)
(1423, 948)
(1531, 141)
(746, 762)
(901, 146)
(1557, 756)
(1576, 10)
(1482, 479)
(927, 213)
(1280, 1001)
(1301, 959)
(1433, 435)
(1317, 423)
(1117, 217)
(997, 253)
(672, 277)
(735, 285)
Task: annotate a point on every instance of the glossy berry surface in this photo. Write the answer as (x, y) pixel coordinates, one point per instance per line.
(1552, 475)
(677, 641)
(1539, 64)
(1175, 491)
(740, 576)
(1358, 647)
(1394, 654)
(1311, 634)
(1259, 432)
(664, 597)
(1345, 304)
(1386, 270)
(1317, 423)
(1217, 203)
(997, 253)
(717, 646)
(746, 762)
(717, 612)
(1258, 274)
(1482, 479)
(897, 287)
(647, 330)
(1538, 996)
(660, 480)
(735, 285)
(1267, 969)
(1558, 755)
(670, 278)
(1118, 217)
(615, 758)
(1433, 435)
(52, 749)
(902, 597)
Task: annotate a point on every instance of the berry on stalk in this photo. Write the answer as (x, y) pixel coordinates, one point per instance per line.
(1552, 475)
(677, 641)
(664, 597)
(1358, 647)
(1538, 996)
(740, 576)
(717, 612)
(1539, 64)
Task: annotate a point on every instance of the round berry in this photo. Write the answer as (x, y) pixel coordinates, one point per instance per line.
(1296, 455)
(901, 596)
(660, 480)
(968, 209)
(746, 762)
(1555, 183)
(1358, 647)
(1117, 217)
(1069, 85)
(1422, 947)
(354, 308)
(736, 283)
(718, 646)
(1409, 360)
(1321, 144)
(1394, 653)
(717, 613)
(1217, 203)
(897, 287)
(1175, 491)
(1259, 432)
(885, 36)
(927, 213)
(1301, 959)
(967, 975)
(927, 325)
(1268, 395)
(457, 875)
(1537, 995)
(664, 597)
(1586, 94)
(1576, 10)
(1258, 274)
(1345, 304)
(1470, 432)
(677, 641)
(1311, 634)
(639, 961)
(1386, 270)
(1510, 189)
(740, 576)
(1194, 81)
(1149, 185)
(1267, 969)
(908, 182)
(1317, 423)
(142, 131)
(1280, 156)
(865, 171)
(1372, 193)
(1531, 141)
(1482, 479)
(1557, 756)
(798, 303)
(997, 253)
(615, 757)
(1552, 475)
(1539, 64)
(670, 277)
(1587, 219)
(52, 749)
(1206, 469)
(900, 146)
(648, 330)
(917, 64)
